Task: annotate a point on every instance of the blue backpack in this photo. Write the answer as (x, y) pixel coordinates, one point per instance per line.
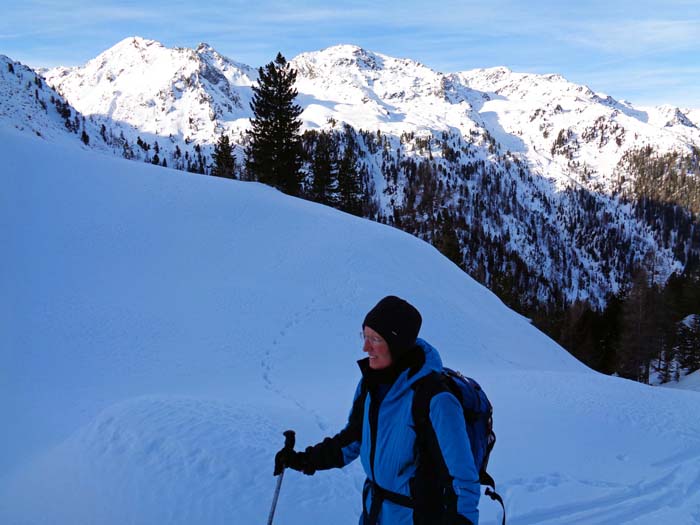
(478, 418)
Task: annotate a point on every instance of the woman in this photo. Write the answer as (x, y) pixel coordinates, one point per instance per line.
(411, 479)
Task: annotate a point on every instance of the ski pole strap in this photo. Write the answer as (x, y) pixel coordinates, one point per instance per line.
(496, 497)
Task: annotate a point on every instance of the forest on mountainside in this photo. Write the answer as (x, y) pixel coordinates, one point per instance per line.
(554, 256)
(470, 209)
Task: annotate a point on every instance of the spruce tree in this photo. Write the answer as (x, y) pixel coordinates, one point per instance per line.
(224, 160)
(274, 153)
(351, 194)
(324, 170)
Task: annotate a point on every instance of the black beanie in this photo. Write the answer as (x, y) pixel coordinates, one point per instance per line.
(397, 321)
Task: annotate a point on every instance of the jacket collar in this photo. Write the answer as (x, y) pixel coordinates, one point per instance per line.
(415, 363)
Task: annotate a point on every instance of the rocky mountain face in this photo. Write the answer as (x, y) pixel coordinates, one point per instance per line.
(29, 104)
(529, 182)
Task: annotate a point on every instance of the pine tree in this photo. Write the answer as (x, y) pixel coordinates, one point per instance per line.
(351, 194)
(639, 338)
(274, 154)
(224, 160)
(446, 240)
(324, 166)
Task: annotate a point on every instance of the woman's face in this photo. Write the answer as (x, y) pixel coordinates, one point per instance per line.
(377, 349)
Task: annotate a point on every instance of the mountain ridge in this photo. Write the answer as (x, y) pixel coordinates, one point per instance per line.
(507, 152)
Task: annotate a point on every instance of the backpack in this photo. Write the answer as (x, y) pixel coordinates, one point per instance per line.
(478, 418)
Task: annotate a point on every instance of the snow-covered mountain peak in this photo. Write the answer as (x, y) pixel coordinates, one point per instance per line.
(671, 116)
(159, 90)
(383, 88)
(525, 86)
(237, 73)
(352, 57)
(136, 43)
(128, 51)
(346, 56)
(203, 47)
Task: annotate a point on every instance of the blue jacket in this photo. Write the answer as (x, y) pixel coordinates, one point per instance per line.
(380, 431)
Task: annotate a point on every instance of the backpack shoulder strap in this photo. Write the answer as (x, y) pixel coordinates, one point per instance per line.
(423, 392)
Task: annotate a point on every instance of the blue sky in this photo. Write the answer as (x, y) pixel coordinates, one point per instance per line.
(647, 52)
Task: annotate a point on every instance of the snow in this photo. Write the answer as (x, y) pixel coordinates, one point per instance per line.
(161, 331)
(184, 99)
(687, 382)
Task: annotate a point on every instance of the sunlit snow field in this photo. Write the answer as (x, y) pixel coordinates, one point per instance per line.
(161, 330)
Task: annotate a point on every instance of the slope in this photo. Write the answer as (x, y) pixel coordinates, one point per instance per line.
(160, 331)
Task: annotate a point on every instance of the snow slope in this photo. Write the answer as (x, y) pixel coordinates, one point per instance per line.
(689, 382)
(160, 331)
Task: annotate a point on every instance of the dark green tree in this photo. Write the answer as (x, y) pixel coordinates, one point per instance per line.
(324, 170)
(640, 331)
(274, 153)
(224, 160)
(446, 240)
(351, 194)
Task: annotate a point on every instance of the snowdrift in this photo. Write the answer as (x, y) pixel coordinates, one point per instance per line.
(160, 331)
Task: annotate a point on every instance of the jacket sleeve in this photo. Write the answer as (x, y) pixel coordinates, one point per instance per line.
(344, 447)
(447, 421)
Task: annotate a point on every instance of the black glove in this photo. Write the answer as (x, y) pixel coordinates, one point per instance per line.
(289, 458)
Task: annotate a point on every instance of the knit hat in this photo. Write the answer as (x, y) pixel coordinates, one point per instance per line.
(397, 321)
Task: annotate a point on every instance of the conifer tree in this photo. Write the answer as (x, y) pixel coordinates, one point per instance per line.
(351, 194)
(639, 334)
(224, 160)
(274, 154)
(324, 170)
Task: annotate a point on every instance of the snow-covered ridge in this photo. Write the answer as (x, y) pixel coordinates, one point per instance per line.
(197, 94)
(29, 104)
(180, 92)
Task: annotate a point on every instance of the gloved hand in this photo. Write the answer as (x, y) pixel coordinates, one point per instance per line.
(289, 458)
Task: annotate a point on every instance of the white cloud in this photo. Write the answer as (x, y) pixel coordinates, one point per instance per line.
(635, 37)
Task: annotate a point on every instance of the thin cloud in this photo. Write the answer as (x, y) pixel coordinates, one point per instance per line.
(638, 37)
(306, 16)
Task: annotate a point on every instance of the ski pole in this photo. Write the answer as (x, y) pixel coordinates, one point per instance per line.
(288, 444)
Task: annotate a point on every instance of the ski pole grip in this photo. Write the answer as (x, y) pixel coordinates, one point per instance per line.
(289, 439)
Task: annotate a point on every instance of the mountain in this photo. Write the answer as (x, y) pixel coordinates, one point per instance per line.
(162, 331)
(184, 93)
(30, 105)
(545, 191)
(600, 129)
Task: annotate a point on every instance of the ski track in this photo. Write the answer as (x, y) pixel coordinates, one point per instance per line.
(625, 506)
